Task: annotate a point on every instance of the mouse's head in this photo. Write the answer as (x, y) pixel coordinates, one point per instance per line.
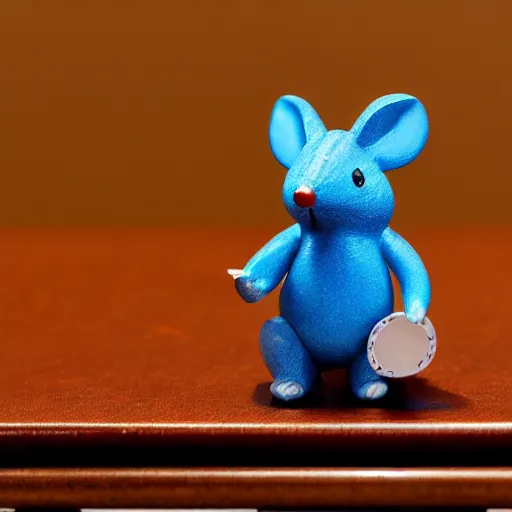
(336, 178)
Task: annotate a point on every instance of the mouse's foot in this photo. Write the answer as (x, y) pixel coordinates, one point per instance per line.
(287, 390)
(372, 390)
(365, 383)
(286, 358)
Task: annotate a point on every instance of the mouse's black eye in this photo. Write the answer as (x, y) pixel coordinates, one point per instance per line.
(358, 178)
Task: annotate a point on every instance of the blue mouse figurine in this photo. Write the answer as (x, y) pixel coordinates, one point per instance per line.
(335, 258)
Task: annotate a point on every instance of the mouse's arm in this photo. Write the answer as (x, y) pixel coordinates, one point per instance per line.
(411, 273)
(266, 269)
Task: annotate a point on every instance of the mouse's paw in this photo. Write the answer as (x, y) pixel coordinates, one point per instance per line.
(415, 313)
(286, 390)
(373, 390)
(250, 289)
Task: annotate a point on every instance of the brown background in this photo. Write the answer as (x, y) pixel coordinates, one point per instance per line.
(156, 112)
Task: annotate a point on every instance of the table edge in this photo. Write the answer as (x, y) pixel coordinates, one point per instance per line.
(204, 433)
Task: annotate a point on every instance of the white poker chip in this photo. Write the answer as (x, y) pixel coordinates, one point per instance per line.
(398, 348)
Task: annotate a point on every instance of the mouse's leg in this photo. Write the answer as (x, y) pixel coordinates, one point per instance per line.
(365, 383)
(287, 360)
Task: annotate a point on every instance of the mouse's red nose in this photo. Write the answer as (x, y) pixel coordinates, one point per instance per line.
(304, 197)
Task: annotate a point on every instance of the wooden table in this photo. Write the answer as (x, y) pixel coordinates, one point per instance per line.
(131, 377)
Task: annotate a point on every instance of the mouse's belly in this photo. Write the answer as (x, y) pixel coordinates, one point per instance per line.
(334, 310)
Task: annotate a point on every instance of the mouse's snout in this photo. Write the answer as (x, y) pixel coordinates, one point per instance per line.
(304, 197)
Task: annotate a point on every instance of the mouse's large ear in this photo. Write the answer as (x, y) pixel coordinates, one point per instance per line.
(293, 122)
(394, 128)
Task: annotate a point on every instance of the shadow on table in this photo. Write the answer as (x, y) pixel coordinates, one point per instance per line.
(331, 391)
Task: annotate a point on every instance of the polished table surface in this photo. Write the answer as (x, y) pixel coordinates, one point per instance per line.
(127, 356)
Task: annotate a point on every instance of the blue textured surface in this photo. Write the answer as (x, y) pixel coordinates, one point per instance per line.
(336, 258)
